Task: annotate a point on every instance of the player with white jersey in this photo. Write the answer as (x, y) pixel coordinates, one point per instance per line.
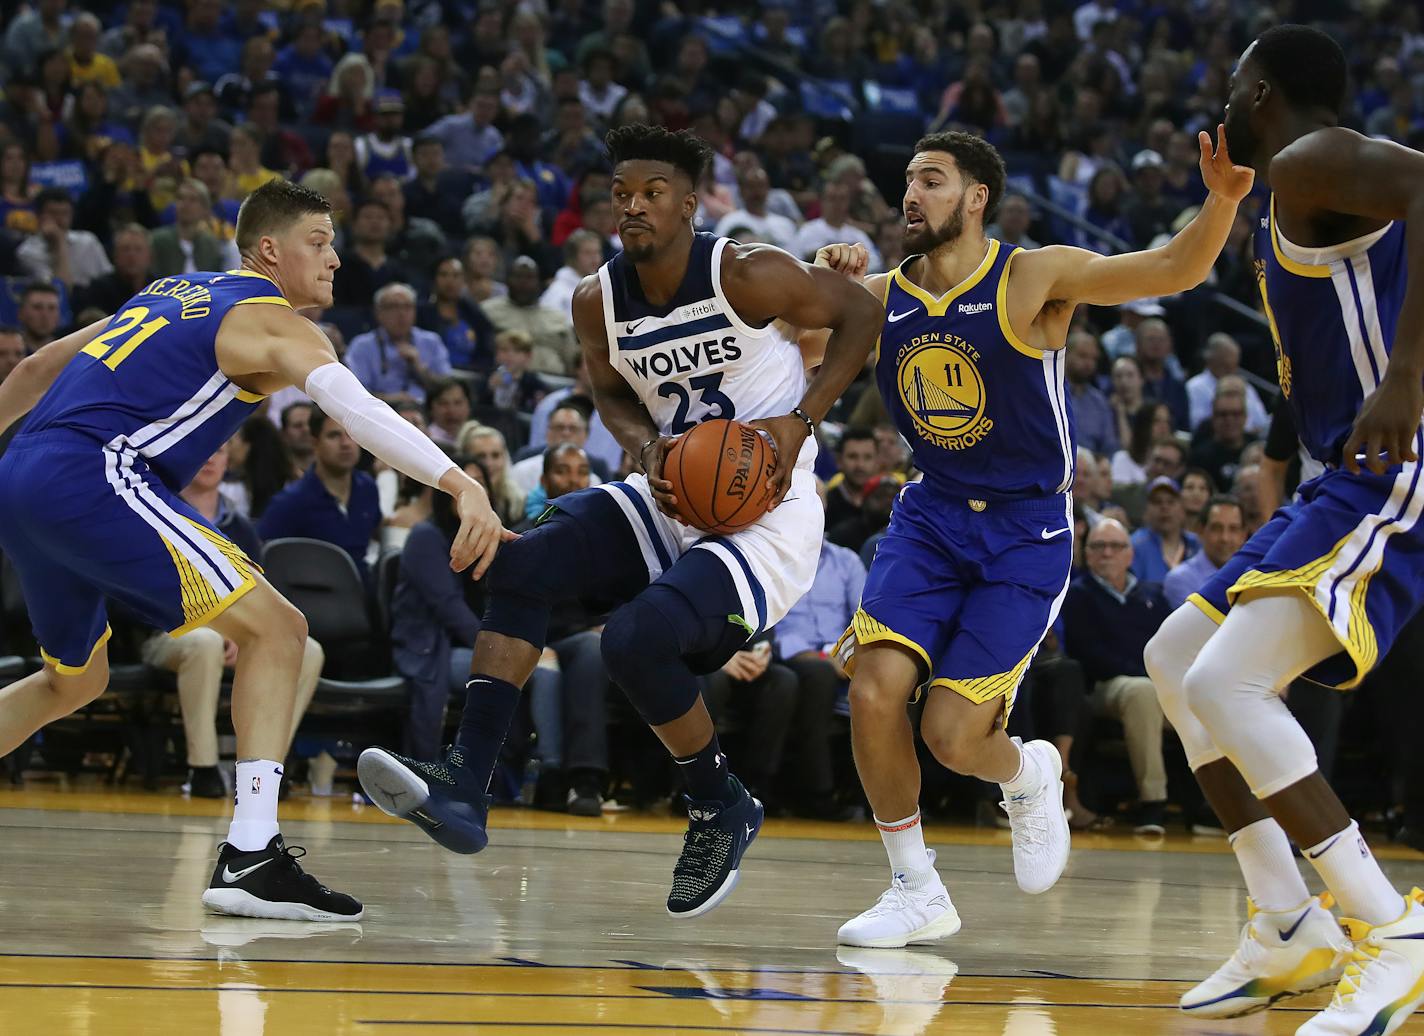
(677, 329)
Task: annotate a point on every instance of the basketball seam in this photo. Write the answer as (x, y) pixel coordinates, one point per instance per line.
(685, 497)
(765, 497)
(717, 524)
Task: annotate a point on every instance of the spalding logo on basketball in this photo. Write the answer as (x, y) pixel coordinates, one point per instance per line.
(721, 474)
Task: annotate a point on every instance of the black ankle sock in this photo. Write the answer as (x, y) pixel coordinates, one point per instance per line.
(489, 709)
(706, 775)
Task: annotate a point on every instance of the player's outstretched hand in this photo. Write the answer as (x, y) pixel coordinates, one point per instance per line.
(851, 260)
(652, 461)
(1385, 427)
(787, 434)
(479, 535)
(1219, 174)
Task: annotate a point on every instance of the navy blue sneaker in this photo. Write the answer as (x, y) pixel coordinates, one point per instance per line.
(712, 849)
(439, 798)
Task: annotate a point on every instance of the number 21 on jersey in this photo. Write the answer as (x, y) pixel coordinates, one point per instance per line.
(127, 333)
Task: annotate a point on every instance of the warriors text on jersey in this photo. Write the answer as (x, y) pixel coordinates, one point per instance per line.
(986, 415)
(149, 385)
(695, 358)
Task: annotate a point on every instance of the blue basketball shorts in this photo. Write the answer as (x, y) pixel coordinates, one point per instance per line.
(969, 587)
(1352, 545)
(83, 522)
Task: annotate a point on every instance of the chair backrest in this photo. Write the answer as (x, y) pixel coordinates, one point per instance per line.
(387, 575)
(321, 580)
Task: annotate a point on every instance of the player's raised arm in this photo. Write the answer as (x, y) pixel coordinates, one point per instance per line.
(1072, 275)
(33, 375)
(257, 340)
(1337, 170)
(766, 284)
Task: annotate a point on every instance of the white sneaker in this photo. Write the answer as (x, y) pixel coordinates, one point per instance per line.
(1039, 825)
(1383, 981)
(1281, 954)
(903, 915)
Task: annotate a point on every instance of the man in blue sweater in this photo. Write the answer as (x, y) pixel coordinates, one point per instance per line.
(1109, 615)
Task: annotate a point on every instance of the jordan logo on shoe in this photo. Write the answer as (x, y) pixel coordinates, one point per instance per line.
(229, 875)
(750, 831)
(1286, 934)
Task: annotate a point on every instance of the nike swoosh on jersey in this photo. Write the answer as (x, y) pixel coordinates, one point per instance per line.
(899, 316)
(1288, 932)
(1049, 535)
(229, 875)
(633, 326)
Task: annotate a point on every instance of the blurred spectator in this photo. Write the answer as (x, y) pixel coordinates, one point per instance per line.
(1121, 340)
(86, 63)
(341, 160)
(754, 187)
(1012, 222)
(366, 264)
(1092, 413)
(297, 434)
(203, 45)
(563, 469)
(1247, 489)
(858, 461)
(1223, 359)
(551, 333)
(487, 445)
(1218, 451)
(245, 162)
(1162, 543)
(188, 244)
(436, 192)
(58, 252)
(133, 259)
(598, 91)
(1223, 533)
(1109, 615)
(346, 102)
(512, 385)
(385, 151)
(469, 136)
(583, 255)
(304, 68)
(234, 90)
(200, 128)
(332, 501)
(524, 142)
(1197, 491)
(210, 169)
(282, 148)
(414, 244)
(12, 350)
(1151, 422)
(161, 168)
(39, 28)
(603, 450)
(765, 694)
(572, 144)
(397, 358)
(567, 424)
(259, 466)
(140, 26)
(873, 516)
(1154, 346)
(17, 203)
(38, 315)
(447, 410)
(461, 324)
(833, 226)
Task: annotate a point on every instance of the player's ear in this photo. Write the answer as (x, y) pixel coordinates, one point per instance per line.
(1262, 94)
(689, 204)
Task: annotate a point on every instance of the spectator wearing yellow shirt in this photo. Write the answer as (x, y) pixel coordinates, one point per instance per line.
(159, 168)
(86, 63)
(244, 160)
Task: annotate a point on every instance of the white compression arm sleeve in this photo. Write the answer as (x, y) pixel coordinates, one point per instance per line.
(376, 426)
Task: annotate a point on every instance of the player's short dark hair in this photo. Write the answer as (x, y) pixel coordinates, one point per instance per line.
(1306, 64)
(272, 208)
(855, 434)
(978, 161)
(684, 150)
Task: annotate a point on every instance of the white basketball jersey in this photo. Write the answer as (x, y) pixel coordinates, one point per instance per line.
(695, 359)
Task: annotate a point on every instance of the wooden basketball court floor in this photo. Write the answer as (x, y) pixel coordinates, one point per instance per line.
(559, 928)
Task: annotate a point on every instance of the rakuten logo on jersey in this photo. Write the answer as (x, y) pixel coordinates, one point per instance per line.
(970, 308)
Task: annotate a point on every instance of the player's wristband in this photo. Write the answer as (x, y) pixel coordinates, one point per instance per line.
(796, 411)
(643, 451)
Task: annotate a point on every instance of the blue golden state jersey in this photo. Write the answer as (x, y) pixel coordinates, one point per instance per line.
(986, 414)
(150, 384)
(1332, 313)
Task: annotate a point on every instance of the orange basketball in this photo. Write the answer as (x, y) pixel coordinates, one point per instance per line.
(719, 473)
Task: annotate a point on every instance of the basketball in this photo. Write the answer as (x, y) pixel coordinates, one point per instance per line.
(719, 473)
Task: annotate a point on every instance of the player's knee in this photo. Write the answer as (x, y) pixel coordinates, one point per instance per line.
(74, 691)
(203, 642)
(527, 567)
(634, 636)
(873, 698)
(1207, 689)
(957, 747)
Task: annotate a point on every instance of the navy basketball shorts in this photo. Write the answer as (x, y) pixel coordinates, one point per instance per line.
(970, 587)
(1351, 545)
(82, 523)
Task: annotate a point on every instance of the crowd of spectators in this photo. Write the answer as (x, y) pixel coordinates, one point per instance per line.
(459, 145)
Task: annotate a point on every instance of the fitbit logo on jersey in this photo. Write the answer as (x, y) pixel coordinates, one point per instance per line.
(970, 308)
(686, 358)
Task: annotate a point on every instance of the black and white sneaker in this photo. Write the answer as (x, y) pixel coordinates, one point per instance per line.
(440, 798)
(717, 837)
(206, 782)
(271, 883)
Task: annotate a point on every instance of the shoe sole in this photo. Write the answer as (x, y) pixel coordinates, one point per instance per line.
(1059, 819)
(399, 793)
(940, 928)
(1325, 981)
(240, 903)
(725, 889)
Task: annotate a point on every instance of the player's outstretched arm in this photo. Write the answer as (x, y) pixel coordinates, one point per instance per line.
(623, 413)
(33, 375)
(1337, 170)
(766, 284)
(1059, 273)
(267, 345)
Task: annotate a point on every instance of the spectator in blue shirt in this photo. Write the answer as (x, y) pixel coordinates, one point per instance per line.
(551, 184)
(1092, 413)
(469, 136)
(332, 501)
(1223, 533)
(1159, 380)
(453, 315)
(303, 68)
(203, 46)
(398, 358)
(1163, 542)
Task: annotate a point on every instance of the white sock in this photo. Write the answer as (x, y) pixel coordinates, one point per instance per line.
(905, 844)
(1351, 872)
(254, 819)
(1272, 877)
(1026, 780)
